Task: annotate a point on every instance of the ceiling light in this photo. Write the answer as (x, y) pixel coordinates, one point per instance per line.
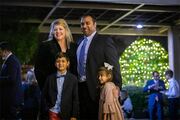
(139, 26)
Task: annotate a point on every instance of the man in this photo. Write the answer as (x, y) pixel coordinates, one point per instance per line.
(10, 84)
(92, 52)
(153, 87)
(173, 94)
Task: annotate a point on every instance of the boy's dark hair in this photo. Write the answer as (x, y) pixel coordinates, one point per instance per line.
(5, 46)
(62, 54)
(169, 72)
(101, 69)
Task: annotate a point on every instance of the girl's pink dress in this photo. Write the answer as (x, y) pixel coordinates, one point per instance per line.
(109, 103)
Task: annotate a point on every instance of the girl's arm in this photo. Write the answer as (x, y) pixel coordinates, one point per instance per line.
(105, 116)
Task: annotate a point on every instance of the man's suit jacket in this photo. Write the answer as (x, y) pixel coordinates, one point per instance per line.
(69, 98)
(10, 84)
(153, 93)
(101, 49)
(45, 60)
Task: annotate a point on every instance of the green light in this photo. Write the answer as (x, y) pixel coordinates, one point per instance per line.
(140, 59)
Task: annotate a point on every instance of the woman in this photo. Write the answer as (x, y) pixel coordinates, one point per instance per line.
(60, 40)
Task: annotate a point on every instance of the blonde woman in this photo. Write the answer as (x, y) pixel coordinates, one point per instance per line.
(59, 40)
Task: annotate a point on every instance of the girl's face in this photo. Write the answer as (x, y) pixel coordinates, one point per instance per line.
(104, 77)
(62, 64)
(59, 32)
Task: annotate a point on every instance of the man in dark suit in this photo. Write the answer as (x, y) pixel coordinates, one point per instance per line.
(153, 87)
(93, 51)
(10, 84)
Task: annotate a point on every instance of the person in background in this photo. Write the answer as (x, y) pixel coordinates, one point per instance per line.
(173, 94)
(155, 100)
(93, 50)
(60, 93)
(30, 75)
(126, 104)
(109, 106)
(31, 97)
(11, 94)
(60, 40)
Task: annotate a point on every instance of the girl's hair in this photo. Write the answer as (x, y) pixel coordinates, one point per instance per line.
(63, 23)
(104, 69)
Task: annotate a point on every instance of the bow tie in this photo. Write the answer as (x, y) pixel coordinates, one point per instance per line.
(60, 76)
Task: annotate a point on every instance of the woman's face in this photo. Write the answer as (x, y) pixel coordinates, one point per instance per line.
(59, 32)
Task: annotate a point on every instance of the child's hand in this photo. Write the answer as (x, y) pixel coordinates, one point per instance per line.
(116, 92)
(73, 118)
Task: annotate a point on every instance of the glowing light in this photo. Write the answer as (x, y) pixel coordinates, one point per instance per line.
(139, 26)
(140, 59)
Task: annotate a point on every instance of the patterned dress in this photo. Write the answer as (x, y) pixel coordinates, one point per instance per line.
(109, 103)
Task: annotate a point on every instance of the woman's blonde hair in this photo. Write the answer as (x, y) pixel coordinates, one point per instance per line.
(63, 23)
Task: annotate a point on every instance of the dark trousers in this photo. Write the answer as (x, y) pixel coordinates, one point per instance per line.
(156, 111)
(88, 107)
(9, 114)
(173, 108)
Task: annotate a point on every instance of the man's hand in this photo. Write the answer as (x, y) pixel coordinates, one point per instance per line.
(163, 92)
(151, 86)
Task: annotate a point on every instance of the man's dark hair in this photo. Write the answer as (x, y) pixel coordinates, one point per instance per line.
(169, 72)
(92, 16)
(155, 72)
(62, 54)
(5, 46)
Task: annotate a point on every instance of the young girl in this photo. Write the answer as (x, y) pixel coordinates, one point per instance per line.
(109, 106)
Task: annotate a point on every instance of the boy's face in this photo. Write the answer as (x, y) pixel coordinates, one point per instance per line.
(62, 64)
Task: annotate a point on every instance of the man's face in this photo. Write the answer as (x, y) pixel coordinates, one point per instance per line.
(2, 54)
(156, 76)
(87, 25)
(167, 77)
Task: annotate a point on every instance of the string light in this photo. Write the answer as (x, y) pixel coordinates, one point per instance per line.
(140, 59)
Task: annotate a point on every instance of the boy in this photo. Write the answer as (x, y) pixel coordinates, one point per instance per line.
(60, 93)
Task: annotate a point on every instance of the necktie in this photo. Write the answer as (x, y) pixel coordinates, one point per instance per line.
(82, 58)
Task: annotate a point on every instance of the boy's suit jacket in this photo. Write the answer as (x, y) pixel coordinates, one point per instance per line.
(69, 98)
(154, 93)
(101, 50)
